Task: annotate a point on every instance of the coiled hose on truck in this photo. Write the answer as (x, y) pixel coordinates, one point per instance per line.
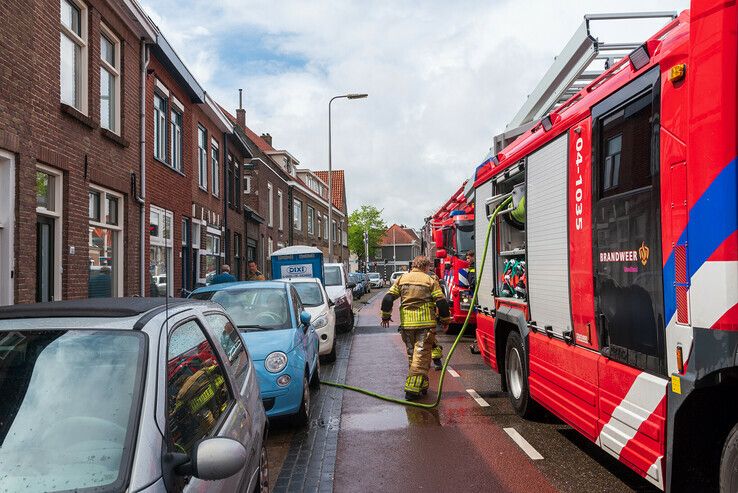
(432, 405)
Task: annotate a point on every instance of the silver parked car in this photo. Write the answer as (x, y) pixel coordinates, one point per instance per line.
(133, 394)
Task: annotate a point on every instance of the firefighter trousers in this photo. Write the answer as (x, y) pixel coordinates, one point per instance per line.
(419, 344)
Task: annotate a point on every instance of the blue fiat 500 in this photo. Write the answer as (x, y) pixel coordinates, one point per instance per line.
(280, 338)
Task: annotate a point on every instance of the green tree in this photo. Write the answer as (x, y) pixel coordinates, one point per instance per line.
(367, 218)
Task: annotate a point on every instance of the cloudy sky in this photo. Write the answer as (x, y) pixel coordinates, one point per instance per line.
(443, 78)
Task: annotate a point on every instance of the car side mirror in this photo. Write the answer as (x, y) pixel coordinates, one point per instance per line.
(211, 459)
(305, 318)
(351, 285)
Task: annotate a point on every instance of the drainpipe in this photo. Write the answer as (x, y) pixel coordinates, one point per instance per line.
(141, 199)
(224, 168)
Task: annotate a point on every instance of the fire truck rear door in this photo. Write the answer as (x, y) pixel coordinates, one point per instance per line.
(628, 275)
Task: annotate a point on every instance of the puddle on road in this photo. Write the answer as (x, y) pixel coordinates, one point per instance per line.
(383, 418)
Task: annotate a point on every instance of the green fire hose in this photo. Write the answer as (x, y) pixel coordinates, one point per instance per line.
(434, 404)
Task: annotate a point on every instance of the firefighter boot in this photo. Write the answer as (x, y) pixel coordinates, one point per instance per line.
(436, 355)
(413, 387)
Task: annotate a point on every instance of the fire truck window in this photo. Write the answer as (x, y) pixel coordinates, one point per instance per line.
(626, 163)
(627, 238)
(197, 393)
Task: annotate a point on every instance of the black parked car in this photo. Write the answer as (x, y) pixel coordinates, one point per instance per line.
(358, 290)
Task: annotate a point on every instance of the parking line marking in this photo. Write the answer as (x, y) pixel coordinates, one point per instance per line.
(452, 372)
(477, 398)
(523, 443)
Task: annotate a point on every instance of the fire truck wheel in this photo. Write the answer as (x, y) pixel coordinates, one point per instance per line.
(516, 373)
(729, 463)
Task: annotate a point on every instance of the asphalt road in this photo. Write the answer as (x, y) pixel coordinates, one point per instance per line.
(472, 442)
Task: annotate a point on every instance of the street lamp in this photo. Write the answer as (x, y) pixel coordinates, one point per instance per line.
(330, 172)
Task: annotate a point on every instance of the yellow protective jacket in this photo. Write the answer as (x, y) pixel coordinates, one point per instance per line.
(420, 295)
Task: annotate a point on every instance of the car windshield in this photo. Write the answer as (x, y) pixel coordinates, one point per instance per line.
(333, 275)
(310, 293)
(254, 308)
(68, 398)
(464, 237)
(374, 275)
(355, 278)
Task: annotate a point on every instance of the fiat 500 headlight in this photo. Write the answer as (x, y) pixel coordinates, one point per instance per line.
(320, 322)
(275, 362)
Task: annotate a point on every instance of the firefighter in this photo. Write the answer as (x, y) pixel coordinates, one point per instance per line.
(437, 351)
(419, 295)
(471, 273)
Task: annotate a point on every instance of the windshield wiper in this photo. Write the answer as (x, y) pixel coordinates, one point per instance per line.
(257, 327)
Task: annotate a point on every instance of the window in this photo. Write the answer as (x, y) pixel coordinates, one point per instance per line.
(109, 81)
(319, 228)
(175, 125)
(270, 203)
(215, 171)
(196, 386)
(202, 157)
(105, 243)
(233, 183)
(325, 226)
(160, 252)
(311, 220)
(237, 259)
(211, 254)
(280, 203)
(334, 231)
(232, 344)
(160, 127)
(246, 184)
(271, 247)
(73, 55)
(297, 213)
(49, 190)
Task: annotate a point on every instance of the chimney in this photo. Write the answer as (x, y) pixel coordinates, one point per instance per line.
(267, 138)
(240, 112)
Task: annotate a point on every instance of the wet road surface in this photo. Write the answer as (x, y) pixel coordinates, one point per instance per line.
(472, 442)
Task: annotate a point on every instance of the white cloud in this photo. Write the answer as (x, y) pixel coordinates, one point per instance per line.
(442, 78)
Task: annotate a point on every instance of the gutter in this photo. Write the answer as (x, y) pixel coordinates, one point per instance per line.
(141, 199)
(225, 197)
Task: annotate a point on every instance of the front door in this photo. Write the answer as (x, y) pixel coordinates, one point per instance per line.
(627, 227)
(44, 259)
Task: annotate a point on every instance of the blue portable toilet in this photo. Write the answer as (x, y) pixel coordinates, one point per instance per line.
(297, 261)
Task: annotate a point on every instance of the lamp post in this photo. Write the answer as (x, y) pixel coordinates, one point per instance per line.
(330, 172)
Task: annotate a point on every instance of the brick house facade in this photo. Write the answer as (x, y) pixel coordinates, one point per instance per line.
(340, 212)
(69, 149)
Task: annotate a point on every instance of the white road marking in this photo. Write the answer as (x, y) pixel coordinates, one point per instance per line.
(523, 443)
(477, 398)
(452, 372)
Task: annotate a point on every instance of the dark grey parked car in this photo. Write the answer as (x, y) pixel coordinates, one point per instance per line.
(128, 394)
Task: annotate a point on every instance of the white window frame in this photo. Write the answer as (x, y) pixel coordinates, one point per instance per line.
(82, 64)
(311, 220)
(270, 204)
(270, 247)
(325, 227)
(161, 240)
(160, 127)
(215, 167)
(280, 203)
(202, 159)
(297, 218)
(7, 228)
(115, 73)
(118, 228)
(246, 184)
(175, 138)
(57, 215)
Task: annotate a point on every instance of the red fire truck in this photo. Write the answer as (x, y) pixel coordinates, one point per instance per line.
(453, 234)
(626, 326)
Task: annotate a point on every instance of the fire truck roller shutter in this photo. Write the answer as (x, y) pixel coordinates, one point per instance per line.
(487, 281)
(548, 254)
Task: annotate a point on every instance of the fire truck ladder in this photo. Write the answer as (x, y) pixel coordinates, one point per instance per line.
(576, 66)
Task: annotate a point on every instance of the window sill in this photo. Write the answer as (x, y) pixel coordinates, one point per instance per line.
(168, 166)
(78, 115)
(202, 189)
(108, 134)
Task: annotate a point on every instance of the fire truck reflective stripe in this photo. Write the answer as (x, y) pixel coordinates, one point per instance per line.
(657, 470)
(712, 219)
(638, 404)
(729, 320)
(463, 278)
(647, 444)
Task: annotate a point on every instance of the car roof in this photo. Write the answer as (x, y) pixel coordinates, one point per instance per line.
(89, 308)
(241, 285)
(301, 279)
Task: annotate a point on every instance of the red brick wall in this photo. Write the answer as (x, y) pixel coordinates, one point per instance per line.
(33, 126)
